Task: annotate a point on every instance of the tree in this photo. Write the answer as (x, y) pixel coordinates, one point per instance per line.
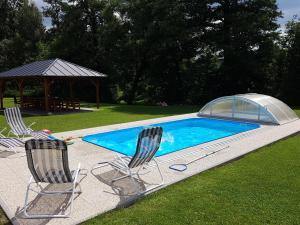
(171, 50)
(163, 42)
(86, 32)
(21, 32)
(126, 38)
(291, 80)
(244, 32)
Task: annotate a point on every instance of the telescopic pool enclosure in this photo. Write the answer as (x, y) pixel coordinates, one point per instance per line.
(252, 107)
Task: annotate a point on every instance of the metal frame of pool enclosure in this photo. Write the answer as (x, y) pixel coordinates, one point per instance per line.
(250, 107)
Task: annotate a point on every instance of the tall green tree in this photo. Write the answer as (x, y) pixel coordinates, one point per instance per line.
(145, 46)
(291, 79)
(245, 32)
(175, 51)
(87, 32)
(163, 41)
(21, 31)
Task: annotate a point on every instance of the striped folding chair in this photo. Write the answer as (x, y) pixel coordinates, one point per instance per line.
(11, 143)
(14, 119)
(148, 143)
(1, 133)
(48, 163)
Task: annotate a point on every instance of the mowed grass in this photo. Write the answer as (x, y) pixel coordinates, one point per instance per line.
(261, 188)
(107, 114)
(297, 110)
(3, 218)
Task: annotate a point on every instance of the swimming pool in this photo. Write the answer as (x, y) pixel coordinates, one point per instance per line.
(177, 135)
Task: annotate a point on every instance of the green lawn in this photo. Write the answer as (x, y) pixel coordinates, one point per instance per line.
(107, 114)
(261, 188)
(297, 110)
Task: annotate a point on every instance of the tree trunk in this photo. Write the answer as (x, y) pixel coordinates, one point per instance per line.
(137, 76)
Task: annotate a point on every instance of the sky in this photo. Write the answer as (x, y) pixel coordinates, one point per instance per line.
(289, 8)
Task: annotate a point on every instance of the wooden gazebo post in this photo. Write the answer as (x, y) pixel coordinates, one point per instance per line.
(21, 90)
(96, 83)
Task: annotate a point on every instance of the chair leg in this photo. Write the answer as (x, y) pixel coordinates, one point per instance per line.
(160, 173)
(37, 216)
(131, 175)
(26, 196)
(74, 187)
(161, 178)
(70, 202)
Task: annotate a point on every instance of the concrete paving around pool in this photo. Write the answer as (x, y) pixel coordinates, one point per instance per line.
(98, 194)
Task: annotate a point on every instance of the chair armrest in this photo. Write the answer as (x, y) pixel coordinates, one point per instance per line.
(75, 175)
(1, 135)
(120, 158)
(30, 125)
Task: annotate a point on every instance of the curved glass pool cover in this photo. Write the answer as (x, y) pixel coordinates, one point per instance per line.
(253, 107)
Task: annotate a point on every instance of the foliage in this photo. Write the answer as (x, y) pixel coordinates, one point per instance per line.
(172, 51)
(21, 31)
(291, 78)
(106, 115)
(257, 189)
(178, 51)
(244, 33)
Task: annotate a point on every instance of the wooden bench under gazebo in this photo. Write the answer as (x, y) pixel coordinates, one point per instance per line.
(56, 104)
(47, 72)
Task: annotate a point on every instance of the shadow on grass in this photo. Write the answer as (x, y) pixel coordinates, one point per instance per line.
(3, 219)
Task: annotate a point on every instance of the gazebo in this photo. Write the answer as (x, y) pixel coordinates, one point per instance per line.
(46, 72)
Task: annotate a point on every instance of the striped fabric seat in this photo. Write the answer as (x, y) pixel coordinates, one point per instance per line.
(48, 163)
(14, 119)
(11, 142)
(148, 144)
(39, 135)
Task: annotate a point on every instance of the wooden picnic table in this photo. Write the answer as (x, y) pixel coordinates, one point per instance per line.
(55, 104)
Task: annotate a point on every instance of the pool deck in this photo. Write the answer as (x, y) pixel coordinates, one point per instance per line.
(98, 195)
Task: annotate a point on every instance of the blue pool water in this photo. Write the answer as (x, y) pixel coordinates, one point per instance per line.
(177, 135)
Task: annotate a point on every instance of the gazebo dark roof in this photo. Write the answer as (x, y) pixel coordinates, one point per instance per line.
(51, 68)
(48, 71)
